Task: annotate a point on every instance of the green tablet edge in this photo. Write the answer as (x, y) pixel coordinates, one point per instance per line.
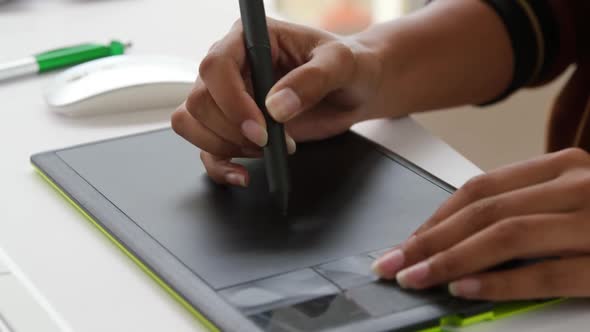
(499, 312)
(202, 319)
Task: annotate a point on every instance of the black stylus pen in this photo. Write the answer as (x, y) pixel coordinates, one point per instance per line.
(259, 55)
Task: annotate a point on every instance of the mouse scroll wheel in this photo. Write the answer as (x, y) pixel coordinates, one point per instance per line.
(81, 75)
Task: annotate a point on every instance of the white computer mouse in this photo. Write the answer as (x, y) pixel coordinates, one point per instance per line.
(123, 83)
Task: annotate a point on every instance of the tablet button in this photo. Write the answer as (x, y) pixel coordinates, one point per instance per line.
(381, 298)
(282, 290)
(313, 315)
(349, 272)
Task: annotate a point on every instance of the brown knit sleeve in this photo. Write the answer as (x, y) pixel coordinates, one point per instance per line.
(572, 21)
(569, 124)
(547, 36)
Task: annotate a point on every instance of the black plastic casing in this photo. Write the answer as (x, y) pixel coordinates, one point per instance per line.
(260, 57)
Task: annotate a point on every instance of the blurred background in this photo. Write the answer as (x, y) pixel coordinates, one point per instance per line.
(344, 16)
(496, 135)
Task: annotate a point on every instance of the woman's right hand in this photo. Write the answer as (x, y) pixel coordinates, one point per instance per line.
(325, 85)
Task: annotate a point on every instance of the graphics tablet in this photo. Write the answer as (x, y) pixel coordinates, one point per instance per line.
(238, 265)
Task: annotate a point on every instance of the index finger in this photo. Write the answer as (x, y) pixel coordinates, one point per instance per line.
(221, 70)
(513, 238)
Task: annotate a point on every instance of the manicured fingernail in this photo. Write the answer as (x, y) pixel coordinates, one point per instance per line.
(413, 276)
(291, 145)
(283, 104)
(465, 288)
(255, 132)
(389, 264)
(235, 179)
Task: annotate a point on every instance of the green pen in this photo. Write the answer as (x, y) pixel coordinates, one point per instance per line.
(60, 58)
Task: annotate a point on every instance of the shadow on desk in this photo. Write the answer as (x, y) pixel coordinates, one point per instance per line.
(116, 119)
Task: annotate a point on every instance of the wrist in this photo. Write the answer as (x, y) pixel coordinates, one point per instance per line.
(384, 43)
(431, 61)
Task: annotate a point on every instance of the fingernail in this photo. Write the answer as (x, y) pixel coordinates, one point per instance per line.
(283, 105)
(413, 276)
(389, 264)
(291, 145)
(255, 132)
(235, 179)
(465, 288)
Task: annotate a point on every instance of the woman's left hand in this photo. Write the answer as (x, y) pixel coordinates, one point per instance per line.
(535, 209)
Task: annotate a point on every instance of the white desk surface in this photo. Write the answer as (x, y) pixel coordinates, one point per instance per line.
(3, 269)
(21, 311)
(73, 271)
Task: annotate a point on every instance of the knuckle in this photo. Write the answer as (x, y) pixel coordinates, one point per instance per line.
(202, 106)
(509, 234)
(570, 156)
(194, 99)
(477, 187)
(420, 249)
(319, 74)
(580, 186)
(482, 212)
(343, 53)
(210, 63)
(178, 120)
(445, 266)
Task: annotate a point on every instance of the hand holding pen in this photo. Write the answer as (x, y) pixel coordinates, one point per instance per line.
(325, 85)
(259, 55)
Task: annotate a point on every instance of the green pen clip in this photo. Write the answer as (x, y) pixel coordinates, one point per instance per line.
(69, 56)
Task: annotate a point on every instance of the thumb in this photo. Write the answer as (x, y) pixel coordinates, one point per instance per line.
(330, 67)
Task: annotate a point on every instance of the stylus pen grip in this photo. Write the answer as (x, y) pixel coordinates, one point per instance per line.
(260, 58)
